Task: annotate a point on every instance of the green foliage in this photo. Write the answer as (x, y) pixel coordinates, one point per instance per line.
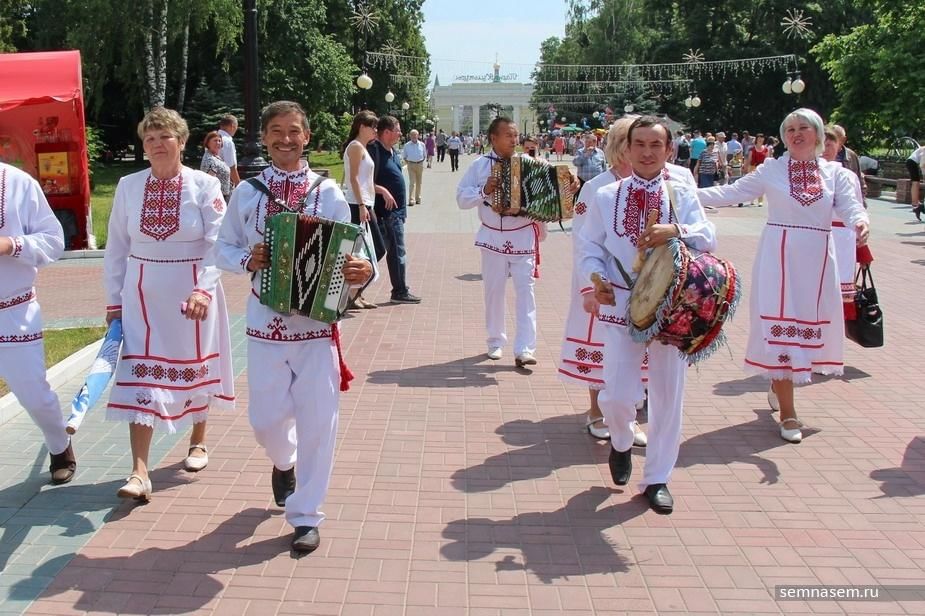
(329, 131)
(878, 72)
(94, 147)
(206, 107)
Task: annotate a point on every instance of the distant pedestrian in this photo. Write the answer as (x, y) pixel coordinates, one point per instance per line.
(440, 141)
(430, 144)
(227, 127)
(414, 154)
(454, 146)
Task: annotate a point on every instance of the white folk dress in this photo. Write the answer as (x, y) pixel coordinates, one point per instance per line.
(846, 249)
(161, 248)
(797, 325)
(581, 358)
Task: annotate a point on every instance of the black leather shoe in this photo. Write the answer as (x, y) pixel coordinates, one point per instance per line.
(621, 465)
(660, 498)
(63, 465)
(917, 210)
(283, 485)
(407, 298)
(306, 539)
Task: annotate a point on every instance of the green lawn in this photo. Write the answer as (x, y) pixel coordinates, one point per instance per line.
(106, 177)
(60, 343)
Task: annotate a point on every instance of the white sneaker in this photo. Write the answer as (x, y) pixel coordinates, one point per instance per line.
(639, 437)
(525, 359)
(495, 353)
(596, 427)
(773, 402)
(791, 435)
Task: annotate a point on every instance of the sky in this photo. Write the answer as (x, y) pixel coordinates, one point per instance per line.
(463, 36)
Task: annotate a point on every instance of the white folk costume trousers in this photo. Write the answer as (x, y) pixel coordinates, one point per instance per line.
(294, 397)
(622, 375)
(495, 270)
(23, 369)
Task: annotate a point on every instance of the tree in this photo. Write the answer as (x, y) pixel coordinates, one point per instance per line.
(878, 73)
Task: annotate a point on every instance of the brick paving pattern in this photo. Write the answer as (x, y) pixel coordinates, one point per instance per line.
(465, 486)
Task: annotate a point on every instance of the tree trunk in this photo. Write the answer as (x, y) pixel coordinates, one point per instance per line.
(155, 55)
(184, 61)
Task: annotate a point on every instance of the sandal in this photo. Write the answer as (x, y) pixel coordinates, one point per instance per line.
(136, 487)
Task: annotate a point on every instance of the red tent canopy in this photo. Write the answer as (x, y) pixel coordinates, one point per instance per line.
(39, 77)
(42, 131)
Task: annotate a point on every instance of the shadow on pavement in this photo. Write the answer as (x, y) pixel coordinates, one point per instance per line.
(472, 371)
(757, 383)
(110, 584)
(909, 478)
(560, 544)
(469, 277)
(739, 443)
(546, 446)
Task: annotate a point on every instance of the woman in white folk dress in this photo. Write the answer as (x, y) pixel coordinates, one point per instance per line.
(797, 324)
(161, 280)
(581, 359)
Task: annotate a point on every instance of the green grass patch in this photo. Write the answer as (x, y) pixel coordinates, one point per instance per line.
(61, 343)
(106, 178)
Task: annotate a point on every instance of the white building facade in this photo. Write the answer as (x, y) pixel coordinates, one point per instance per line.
(470, 103)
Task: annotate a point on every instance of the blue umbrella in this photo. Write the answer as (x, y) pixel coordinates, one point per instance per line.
(98, 378)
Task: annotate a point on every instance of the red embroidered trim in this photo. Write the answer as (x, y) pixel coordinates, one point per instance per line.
(244, 260)
(159, 372)
(218, 204)
(19, 299)
(581, 377)
(585, 356)
(587, 342)
(129, 407)
(608, 318)
(793, 331)
(113, 308)
(17, 247)
(160, 208)
(580, 208)
(640, 199)
(805, 181)
(805, 228)
(203, 292)
(2, 197)
(505, 230)
(507, 250)
(277, 327)
(147, 260)
(170, 360)
(798, 321)
(21, 337)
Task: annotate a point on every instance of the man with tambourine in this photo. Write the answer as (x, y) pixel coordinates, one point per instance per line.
(625, 218)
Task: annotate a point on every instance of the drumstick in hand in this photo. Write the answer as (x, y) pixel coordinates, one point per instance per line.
(651, 221)
(603, 288)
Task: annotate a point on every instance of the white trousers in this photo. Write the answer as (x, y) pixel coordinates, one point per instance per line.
(294, 397)
(622, 374)
(23, 369)
(495, 270)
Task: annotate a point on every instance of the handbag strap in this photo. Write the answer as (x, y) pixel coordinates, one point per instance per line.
(864, 274)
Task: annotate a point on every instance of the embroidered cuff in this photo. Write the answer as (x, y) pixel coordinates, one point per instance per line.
(203, 293)
(586, 291)
(245, 261)
(114, 308)
(17, 247)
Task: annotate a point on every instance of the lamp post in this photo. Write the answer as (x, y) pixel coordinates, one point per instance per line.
(251, 162)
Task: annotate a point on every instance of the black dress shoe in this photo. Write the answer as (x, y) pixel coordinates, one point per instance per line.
(306, 539)
(406, 298)
(283, 485)
(63, 465)
(621, 465)
(660, 498)
(917, 210)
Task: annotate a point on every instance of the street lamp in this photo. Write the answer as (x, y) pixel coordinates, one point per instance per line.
(405, 106)
(389, 97)
(798, 85)
(364, 81)
(251, 162)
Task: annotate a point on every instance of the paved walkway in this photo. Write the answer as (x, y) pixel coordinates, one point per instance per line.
(465, 486)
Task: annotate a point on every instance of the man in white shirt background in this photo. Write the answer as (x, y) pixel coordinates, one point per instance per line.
(414, 154)
(227, 127)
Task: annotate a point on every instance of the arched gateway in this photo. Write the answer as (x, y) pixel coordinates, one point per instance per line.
(470, 103)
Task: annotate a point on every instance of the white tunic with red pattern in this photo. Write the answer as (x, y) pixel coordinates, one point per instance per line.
(26, 218)
(582, 356)
(159, 250)
(797, 325)
(249, 210)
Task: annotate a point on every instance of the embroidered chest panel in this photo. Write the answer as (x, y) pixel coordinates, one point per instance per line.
(160, 207)
(290, 194)
(632, 206)
(805, 181)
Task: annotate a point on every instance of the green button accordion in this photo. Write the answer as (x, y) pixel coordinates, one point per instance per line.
(533, 188)
(306, 258)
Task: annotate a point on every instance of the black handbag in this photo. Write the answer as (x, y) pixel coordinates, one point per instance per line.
(867, 328)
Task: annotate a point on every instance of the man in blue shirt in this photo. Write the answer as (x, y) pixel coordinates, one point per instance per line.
(698, 145)
(589, 160)
(390, 205)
